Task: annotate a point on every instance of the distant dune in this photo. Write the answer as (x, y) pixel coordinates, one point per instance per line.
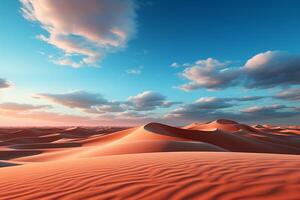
(222, 159)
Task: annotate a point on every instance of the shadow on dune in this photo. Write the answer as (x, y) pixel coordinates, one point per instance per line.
(7, 164)
(11, 154)
(234, 141)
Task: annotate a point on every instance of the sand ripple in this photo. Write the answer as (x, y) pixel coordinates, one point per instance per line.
(192, 175)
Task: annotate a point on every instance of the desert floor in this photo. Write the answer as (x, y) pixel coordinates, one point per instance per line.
(222, 159)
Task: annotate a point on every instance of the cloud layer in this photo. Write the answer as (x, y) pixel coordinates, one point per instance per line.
(95, 103)
(141, 107)
(84, 30)
(211, 108)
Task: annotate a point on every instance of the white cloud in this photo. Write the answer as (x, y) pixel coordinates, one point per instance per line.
(186, 64)
(85, 30)
(264, 70)
(210, 73)
(148, 100)
(136, 71)
(271, 69)
(175, 65)
(110, 107)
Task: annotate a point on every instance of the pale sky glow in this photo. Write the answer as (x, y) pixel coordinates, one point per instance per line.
(114, 62)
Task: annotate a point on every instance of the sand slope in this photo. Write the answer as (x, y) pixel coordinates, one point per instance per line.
(154, 161)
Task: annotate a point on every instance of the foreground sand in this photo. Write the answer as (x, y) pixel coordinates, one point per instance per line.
(176, 175)
(155, 161)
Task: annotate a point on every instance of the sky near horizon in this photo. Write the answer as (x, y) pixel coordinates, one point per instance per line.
(126, 62)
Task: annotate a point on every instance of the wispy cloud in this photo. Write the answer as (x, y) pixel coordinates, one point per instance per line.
(85, 30)
(175, 65)
(10, 106)
(135, 71)
(40, 114)
(74, 99)
(292, 94)
(270, 111)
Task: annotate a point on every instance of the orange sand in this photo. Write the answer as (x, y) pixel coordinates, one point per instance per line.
(155, 161)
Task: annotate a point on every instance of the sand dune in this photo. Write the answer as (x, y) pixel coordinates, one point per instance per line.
(154, 161)
(219, 135)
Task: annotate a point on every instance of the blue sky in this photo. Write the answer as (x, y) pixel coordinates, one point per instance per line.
(132, 51)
